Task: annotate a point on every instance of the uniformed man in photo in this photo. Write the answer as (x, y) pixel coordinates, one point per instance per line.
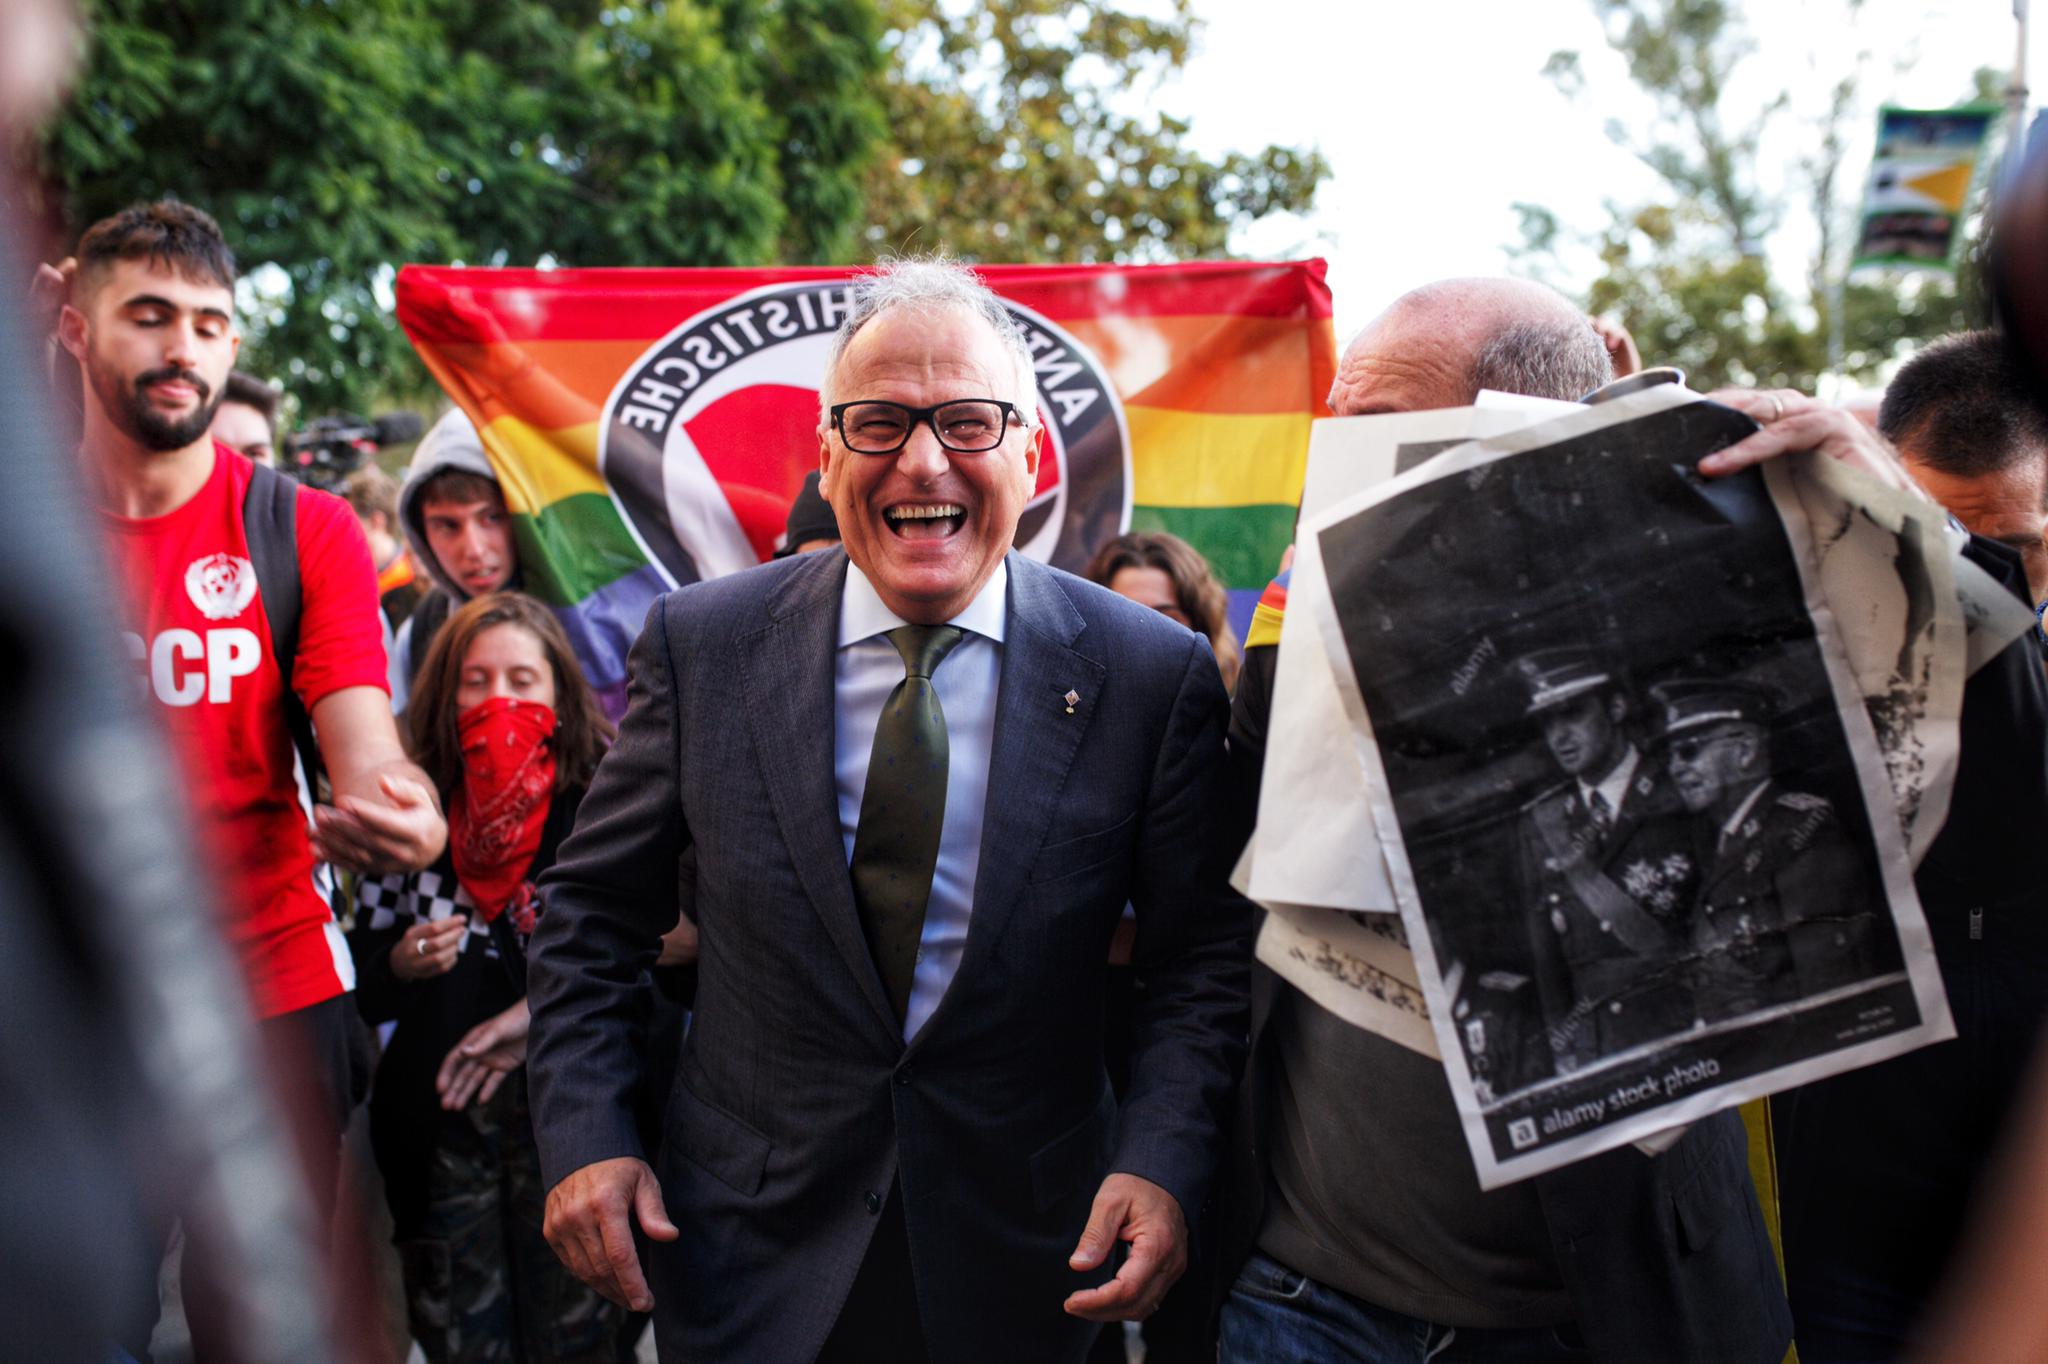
(1608, 869)
(1785, 907)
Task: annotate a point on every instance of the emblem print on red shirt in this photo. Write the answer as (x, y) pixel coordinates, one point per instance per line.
(221, 585)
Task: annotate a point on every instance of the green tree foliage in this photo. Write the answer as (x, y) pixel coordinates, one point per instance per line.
(1688, 273)
(334, 141)
(1016, 133)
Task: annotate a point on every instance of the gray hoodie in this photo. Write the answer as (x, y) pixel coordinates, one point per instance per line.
(452, 443)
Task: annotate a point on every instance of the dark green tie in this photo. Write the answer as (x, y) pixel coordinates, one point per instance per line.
(902, 810)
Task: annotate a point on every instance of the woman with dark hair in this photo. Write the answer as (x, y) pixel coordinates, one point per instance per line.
(1169, 575)
(504, 723)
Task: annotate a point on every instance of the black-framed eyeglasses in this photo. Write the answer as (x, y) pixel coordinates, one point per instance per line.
(965, 426)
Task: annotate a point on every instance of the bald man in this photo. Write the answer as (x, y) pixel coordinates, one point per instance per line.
(1363, 1233)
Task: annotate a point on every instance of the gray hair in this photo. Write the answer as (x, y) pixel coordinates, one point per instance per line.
(1553, 358)
(930, 284)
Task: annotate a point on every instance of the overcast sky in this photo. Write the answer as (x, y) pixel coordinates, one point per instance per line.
(1435, 117)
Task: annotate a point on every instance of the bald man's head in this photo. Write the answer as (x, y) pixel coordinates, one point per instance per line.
(1437, 346)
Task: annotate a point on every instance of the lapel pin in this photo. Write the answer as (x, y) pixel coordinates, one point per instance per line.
(1070, 698)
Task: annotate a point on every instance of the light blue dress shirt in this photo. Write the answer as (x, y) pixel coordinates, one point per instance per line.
(866, 668)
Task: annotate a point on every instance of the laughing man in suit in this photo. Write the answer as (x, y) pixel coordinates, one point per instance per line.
(922, 775)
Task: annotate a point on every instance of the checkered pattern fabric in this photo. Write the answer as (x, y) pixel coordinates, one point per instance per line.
(402, 900)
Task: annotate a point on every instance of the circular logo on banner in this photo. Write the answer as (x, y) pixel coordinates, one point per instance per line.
(706, 440)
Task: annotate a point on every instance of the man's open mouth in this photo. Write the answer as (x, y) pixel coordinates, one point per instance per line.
(925, 521)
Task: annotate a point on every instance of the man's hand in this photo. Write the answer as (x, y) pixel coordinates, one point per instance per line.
(400, 830)
(1792, 421)
(586, 1223)
(679, 944)
(1621, 347)
(429, 949)
(479, 1063)
(384, 817)
(1136, 1210)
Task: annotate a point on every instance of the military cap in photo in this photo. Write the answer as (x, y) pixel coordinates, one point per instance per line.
(1561, 673)
(1687, 703)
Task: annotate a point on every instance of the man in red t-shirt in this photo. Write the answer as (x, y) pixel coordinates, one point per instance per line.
(150, 320)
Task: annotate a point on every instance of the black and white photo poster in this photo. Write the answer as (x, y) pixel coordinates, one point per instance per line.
(1617, 755)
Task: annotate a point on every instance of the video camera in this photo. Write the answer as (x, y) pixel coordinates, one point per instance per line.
(329, 449)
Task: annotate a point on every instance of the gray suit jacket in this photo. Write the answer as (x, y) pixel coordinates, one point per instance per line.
(796, 1102)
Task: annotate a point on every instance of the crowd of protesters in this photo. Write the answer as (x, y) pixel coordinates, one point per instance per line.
(386, 745)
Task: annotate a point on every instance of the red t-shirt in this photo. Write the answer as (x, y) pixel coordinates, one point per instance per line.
(204, 652)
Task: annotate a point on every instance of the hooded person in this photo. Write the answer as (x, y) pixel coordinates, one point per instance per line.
(453, 514)
(812, 525)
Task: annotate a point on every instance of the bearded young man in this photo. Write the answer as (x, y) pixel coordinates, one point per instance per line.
(150, 320)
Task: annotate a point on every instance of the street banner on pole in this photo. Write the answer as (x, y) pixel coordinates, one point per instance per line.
(1919, 184)
(650, 427)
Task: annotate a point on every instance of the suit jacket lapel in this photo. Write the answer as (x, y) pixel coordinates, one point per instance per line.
(788, 668)
(1032, 750)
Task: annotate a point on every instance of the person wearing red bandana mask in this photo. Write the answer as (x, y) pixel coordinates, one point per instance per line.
(509, 731)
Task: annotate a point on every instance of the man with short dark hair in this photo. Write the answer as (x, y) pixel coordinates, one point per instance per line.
(1367, 1230)
(246, 421)
(922, 776)
(1964, 418)
(150, 320)
(1924, 1128)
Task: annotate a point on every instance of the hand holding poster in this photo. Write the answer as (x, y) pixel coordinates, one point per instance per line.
(1727, 909)
(1881, 559)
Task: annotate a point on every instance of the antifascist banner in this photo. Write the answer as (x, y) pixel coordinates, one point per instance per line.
(650, 427)
(1919, 182)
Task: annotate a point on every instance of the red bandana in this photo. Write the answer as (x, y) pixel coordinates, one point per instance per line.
(494, 821)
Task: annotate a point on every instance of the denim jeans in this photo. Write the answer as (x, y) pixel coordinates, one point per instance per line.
(1275, 1315)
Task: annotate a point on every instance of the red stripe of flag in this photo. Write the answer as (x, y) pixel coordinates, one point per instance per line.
(446, 304)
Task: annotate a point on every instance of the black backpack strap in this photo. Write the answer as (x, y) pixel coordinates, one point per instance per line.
(427, 619)
(270, 522)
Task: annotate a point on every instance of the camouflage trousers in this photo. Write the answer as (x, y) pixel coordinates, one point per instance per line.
(481, 1285)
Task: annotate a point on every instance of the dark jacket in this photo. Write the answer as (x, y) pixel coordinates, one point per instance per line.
(1922, 1129)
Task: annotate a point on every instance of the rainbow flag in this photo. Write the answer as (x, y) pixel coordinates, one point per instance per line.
(650, 427)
